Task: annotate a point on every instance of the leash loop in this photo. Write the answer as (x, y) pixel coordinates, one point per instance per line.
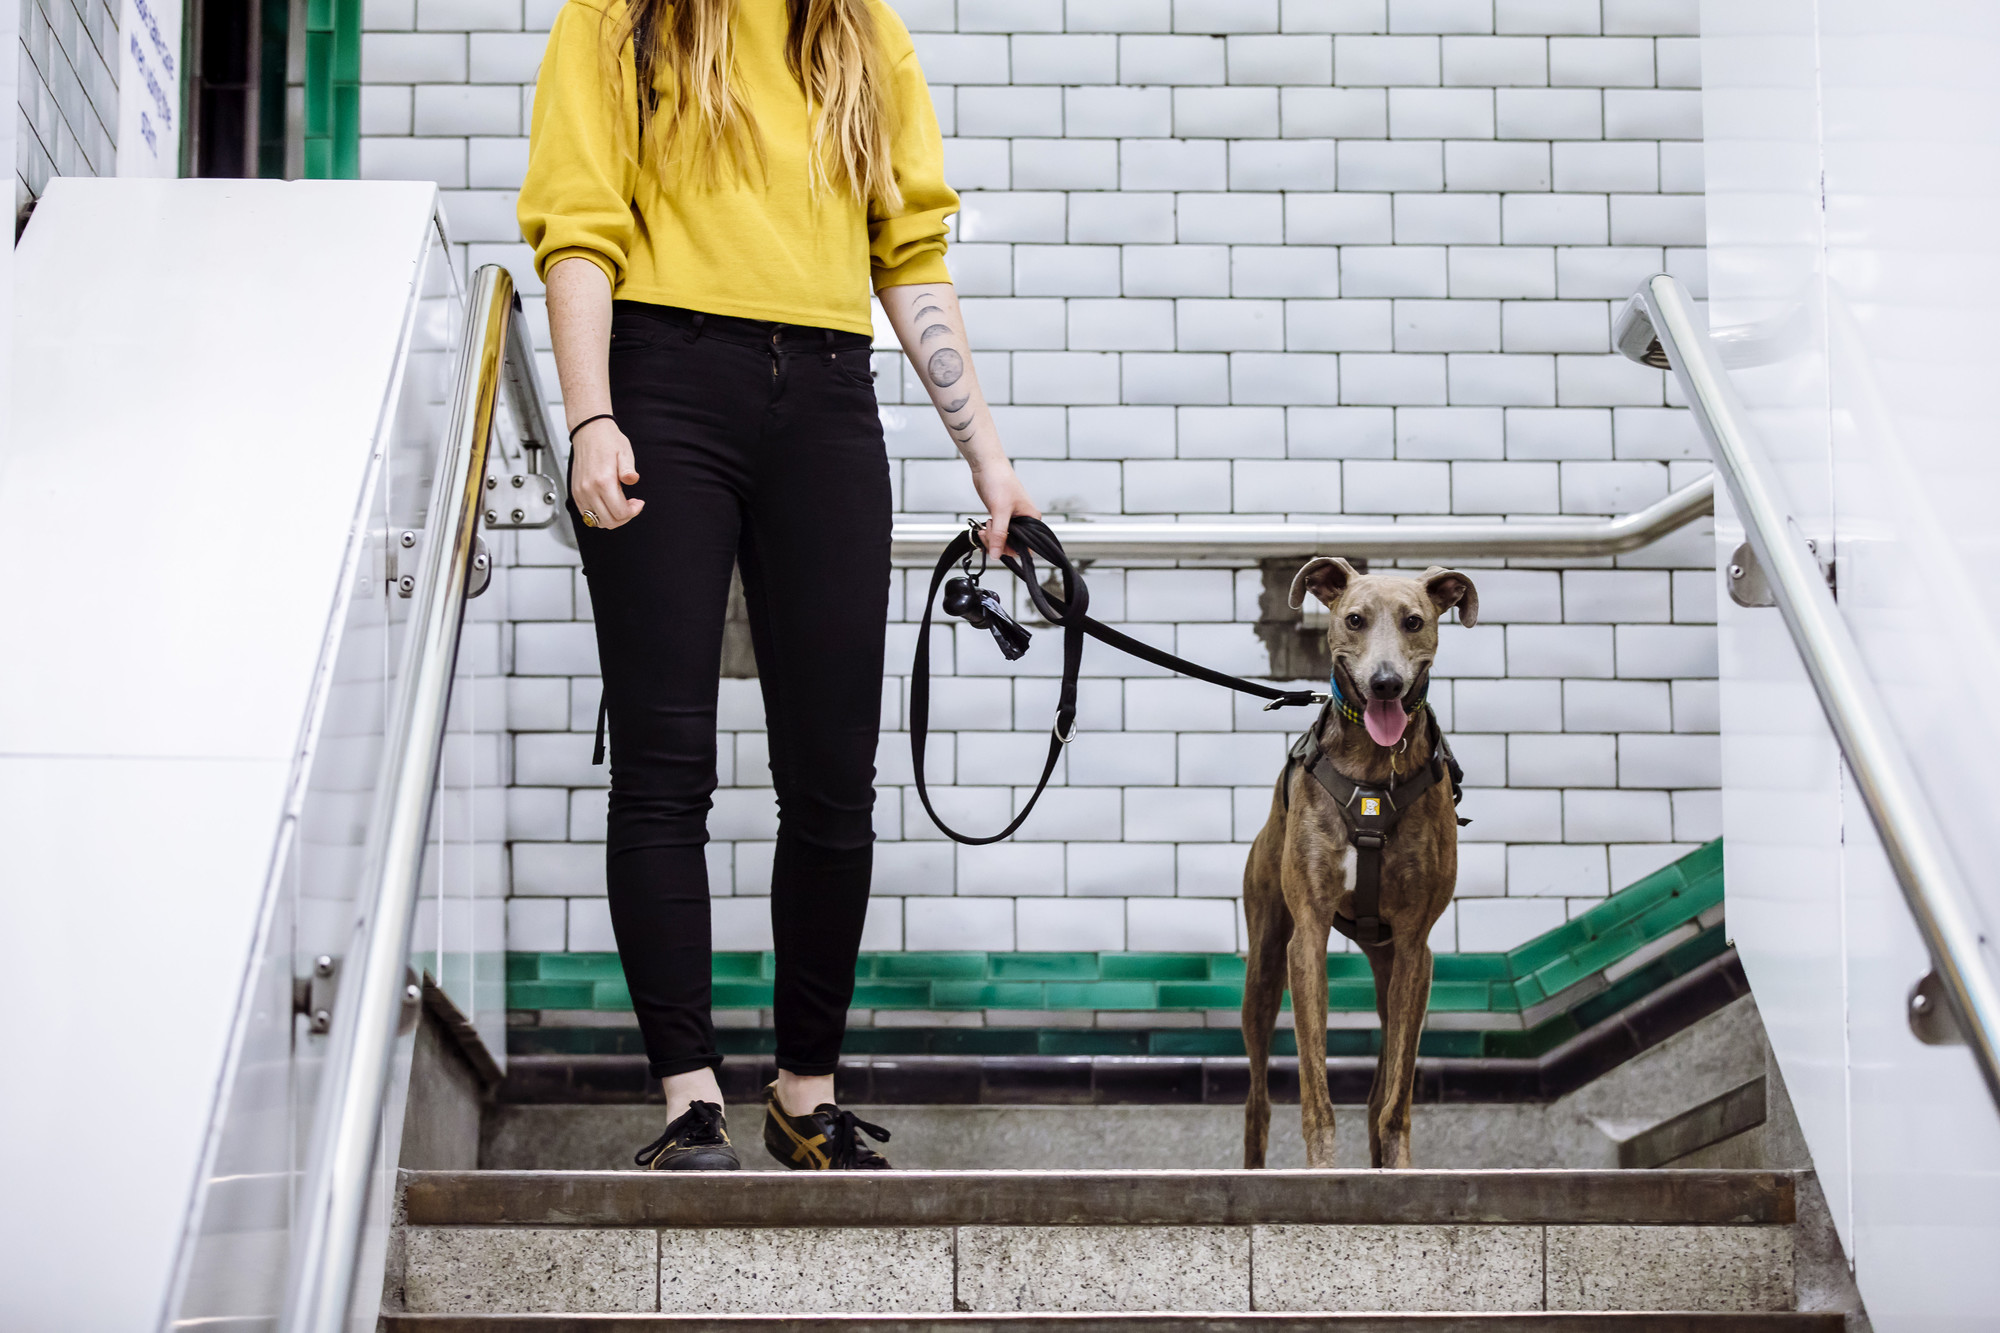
(1027, 539)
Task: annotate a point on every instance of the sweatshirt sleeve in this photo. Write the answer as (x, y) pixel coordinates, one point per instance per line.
(908, 246)
(576, 199)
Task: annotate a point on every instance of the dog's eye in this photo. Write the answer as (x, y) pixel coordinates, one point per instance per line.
(1354, 620)
(1411, 624)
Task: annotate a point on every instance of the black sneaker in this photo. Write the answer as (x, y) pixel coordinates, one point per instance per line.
(827, 1140)
(696, 1141)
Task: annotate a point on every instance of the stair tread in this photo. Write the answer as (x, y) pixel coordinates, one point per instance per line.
(1532, 1321)
(1083, 1198)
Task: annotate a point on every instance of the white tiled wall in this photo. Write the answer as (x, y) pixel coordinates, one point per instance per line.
(1220, 257)
(68, 114)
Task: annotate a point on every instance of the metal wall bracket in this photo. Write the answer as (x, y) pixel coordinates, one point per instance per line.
(313, 996)
(406, 552)
(1747, 585)
(1930, 1016)
(521, 500)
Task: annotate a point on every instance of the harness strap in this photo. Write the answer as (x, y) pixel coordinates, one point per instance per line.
(1371, 815)
(1069, 612)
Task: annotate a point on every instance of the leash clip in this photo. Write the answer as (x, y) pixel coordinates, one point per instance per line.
(1056, 731)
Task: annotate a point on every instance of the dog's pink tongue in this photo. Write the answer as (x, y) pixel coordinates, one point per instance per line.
(1385, 720)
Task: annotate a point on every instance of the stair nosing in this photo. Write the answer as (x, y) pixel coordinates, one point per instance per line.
(756, 1199)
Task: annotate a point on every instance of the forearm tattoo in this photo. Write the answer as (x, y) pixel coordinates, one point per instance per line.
(943, 367)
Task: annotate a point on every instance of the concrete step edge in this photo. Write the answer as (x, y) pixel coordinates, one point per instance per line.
(1533, 1321)
(1086, 1198)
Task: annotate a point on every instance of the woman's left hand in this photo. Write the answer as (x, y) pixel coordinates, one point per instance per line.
(1004, 497)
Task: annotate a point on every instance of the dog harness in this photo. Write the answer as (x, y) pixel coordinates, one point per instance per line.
(1371, 813)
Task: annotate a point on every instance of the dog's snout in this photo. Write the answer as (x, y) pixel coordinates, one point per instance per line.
(1386, 684)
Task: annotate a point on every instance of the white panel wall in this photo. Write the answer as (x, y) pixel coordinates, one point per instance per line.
(1245, 259)
(66, 122)
(1853, 175)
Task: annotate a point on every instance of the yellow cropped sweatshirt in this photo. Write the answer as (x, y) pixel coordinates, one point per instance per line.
(761, 245)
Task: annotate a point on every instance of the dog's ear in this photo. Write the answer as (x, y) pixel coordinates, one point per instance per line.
(1449, 588)
(1325, 576)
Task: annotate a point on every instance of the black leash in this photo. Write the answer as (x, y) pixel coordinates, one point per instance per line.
(981, 607)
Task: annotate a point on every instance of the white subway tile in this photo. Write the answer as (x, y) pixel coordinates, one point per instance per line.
(448, 109)
(1546, 16)
(1508, 705)
(958, 924)
(1495, 62)
(1282, 164)
(1342, 113)
(557, 869)
(1665, 652)
(1066, 270)
(1339, 432)
(1511, 814)
(1283, 270)
(1367, 164)
(978, 164)
(1179, 594)
(1694, 601)
(1059, 924)
(1549, 113)
(1697, 703)
(1173, 164)
(1564, 651)
(1225, 326)
(1121, 432)
(1555, 326)
(1620, 705)
(1447, 219)
(1494, 925)
(1663, 113)
(1284, 378)
(1174, 925)
(1178, 487)
(1120, 16)
(1233, 759)
(1175, 377)
(1335, 15)
(1288, 486)
(589, 925)
(1607, 380)
(1111, 112)
(1225, 113)
(1177, 271)
(1447, 326)
(413, 57)
(1210, 870)
(1339, 326)
(1657, 219)
(1118, 870)
(1040, 58)
(1231, 218)
(1653, 760)
(1501, 380)
(1338, 219)
(1449, 433)
(1126, 216)
(1268, 59)
(1601, 62)
(1012, 216)
(1503, 488)
(537, 925)
(1177, 814)
(1175, 704)
(1475, 165)
(1073, 487)
(1170, 60)
(1504, 271)
(1660, 18)
(1225, 16)
(1065, 377)
(1551, 870)
(1378, 487)
(1441, 113)
(1616, 816)
(1120, 325)
(1615, 596)
(1403, 270)
(1011, 869)
(1440, 16)
(1697, 815)
(1611, 488)
(1385, 61)
(1633, 861)
(1010, 15)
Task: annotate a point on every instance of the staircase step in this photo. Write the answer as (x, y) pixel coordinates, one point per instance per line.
(1095, 1198)
(1528, 1322)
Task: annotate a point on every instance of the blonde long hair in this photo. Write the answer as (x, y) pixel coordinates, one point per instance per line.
(834, 51)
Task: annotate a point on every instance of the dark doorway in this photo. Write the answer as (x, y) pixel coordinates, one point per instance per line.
(236, 95)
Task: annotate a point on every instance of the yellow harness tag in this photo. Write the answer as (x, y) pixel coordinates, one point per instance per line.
(1371, 805)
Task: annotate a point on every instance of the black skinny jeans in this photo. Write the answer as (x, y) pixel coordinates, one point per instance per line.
(756, 445)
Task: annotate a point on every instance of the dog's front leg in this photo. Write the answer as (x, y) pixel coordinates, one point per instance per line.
(1308, 960)
(1395, 1079)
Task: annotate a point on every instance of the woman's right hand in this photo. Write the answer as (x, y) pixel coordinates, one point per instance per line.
(600, 467)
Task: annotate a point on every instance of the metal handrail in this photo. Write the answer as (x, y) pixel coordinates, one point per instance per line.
(354, 1078)
(1555, 539)
(1912, 837)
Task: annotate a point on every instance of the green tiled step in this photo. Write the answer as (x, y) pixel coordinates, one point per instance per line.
(1516, 1003)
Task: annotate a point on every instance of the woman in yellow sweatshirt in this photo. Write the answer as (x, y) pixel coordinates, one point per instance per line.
(713, 188)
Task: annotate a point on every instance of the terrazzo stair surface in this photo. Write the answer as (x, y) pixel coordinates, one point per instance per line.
(1624, 1322)
(1094, 1251)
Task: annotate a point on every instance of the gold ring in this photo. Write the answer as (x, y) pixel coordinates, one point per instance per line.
(589, 519)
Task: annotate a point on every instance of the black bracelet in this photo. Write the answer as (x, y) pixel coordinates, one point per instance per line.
(601, 416)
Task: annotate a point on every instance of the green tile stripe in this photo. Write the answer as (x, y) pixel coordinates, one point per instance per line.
(1463, 1043)
(1534, 976)
(333, 90)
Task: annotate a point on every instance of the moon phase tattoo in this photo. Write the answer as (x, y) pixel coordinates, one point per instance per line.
(934, 331)
(945, 367)
(928, 310)
(958, 402)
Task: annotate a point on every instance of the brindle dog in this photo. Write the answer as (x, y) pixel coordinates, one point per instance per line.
(1301, 872)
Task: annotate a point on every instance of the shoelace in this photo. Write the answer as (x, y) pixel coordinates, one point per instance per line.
(847, 1145)
(701, 1123)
